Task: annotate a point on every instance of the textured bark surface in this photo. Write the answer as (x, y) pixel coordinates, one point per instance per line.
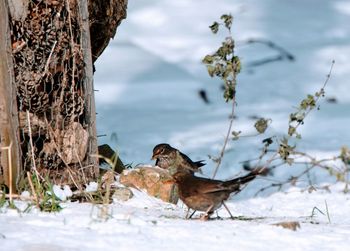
(90, 118)
(105, 17)
(52, 84)
(53, 74)
(10, 164)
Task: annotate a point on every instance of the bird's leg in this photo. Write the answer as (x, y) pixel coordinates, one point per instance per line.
(188, 211)
(228, 210)
(217, 216)
(207, 213)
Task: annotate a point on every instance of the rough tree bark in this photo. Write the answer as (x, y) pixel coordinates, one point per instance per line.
(50, 94)
(105, 17)
(10, 151)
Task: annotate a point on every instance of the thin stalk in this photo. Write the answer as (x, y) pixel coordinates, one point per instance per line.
(227, 137)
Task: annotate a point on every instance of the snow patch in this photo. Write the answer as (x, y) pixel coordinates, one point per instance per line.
(91, 187)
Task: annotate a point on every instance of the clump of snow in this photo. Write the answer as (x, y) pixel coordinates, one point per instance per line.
(67, 191)
(91, 187)
(25, 195)
(62, 193)
(59, 192)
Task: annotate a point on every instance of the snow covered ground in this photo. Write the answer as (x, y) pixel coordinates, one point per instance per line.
(145, 223)
(148, 79)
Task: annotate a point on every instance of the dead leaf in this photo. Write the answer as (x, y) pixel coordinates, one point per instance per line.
(292, 225)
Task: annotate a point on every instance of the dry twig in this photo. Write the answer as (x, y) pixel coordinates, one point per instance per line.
(36, 199)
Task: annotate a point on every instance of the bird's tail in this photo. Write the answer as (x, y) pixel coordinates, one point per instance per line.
(244, 179)
(199, 163)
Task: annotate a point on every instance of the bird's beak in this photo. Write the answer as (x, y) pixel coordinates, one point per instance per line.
(154, 157)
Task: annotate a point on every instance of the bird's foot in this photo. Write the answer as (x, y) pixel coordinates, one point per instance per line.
(206, 216)
(188, 215)
(219, 218)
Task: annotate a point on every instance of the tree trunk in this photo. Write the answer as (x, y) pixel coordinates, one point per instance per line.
(105, 17)
(52, 85)
(89, 88)
(10, 164)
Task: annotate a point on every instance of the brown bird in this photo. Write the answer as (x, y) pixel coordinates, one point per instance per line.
(172, 159)
(206, 194)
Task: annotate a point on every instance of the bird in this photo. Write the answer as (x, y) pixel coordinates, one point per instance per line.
(172, 159)
(208, 195)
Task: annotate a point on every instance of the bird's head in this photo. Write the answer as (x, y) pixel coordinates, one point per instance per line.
(162, 150)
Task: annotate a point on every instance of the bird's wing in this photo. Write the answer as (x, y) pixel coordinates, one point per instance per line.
(218, 188)
(205, 186)
(235, 185)
(196, 165)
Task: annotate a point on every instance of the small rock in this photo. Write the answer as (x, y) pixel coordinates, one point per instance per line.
(122, 194)
(155, 181)
(292, 225)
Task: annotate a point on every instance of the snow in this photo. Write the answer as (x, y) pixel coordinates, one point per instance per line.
(65, 192)
(145, 223)
(92, 187)
(148, 79)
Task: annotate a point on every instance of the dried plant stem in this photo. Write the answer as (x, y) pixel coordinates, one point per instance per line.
(227, 136)
(81, 166)
(105, 206)
(49, 58)
(346, 189)
(318, 97)
(10, 167)
(9, 155)
(33, 189)
(268, 162)
(32, 147)
(327, 211)
(72, 45)
(72, 177)
(313, 163)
